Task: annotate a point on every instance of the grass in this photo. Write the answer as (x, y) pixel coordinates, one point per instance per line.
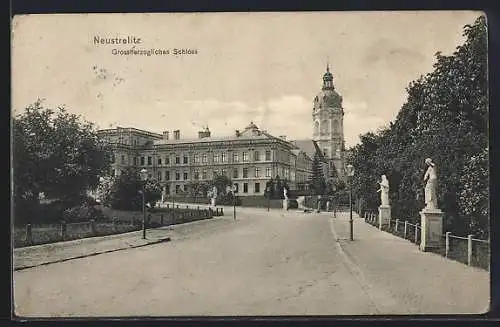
(123, 223)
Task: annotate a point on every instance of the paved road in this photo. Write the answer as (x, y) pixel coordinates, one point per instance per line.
(261, 264)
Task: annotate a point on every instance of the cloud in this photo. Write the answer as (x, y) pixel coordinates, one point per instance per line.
(356, 124)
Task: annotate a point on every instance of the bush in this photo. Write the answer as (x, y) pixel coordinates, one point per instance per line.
(83, 212)
(293, 204)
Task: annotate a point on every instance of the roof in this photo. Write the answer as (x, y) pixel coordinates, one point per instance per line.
(305, 145)
(319, 152)
(262, 136)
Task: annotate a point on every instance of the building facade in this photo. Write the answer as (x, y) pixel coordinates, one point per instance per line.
(328, 126)
(249, 158)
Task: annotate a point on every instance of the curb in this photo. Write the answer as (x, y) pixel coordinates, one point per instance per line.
(165, 239)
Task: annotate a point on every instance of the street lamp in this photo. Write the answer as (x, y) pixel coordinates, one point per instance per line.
(234, 200)
(350, 173)
(144, 178)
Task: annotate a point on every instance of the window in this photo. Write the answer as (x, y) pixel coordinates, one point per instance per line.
(257, 188)
(185, 176)
(223, 157)
(142, 161)
(257, 156)
(150, 162)
(325, 152)
(185, 160)
(216, 157)
(245, 187)
(235, 157)
(159, 161)
(196, 158)
(245, 156)
(257, 172)
(245, 172)
(177, 176)
(177, 160)
(216, 173)
(204, 159)
(235, 173)
(268, 155)
(123, 159)
(268, 172)
(167, 175)
(236, 187)
(159, 175)
(177, 188)
(223, 172)
(135, 161)
(204, 174)
(167, 160)
(196, 175)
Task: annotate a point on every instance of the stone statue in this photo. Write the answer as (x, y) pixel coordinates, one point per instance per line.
(285, 193)
(213, 196)
(430, 177)
(384, 191)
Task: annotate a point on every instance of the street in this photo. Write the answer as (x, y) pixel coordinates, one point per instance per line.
(276, 263)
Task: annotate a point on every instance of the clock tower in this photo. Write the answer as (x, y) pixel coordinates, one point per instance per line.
(328, 126)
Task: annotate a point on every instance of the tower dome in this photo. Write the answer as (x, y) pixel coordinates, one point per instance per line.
(327, 97)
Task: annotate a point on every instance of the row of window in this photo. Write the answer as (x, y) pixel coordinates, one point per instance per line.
(203, 158)
(204, 174)
(256, 188)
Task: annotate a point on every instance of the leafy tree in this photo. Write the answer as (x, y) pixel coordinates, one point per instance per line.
(198, 188)
(318, 181)
(269, 190)
(278, 187)
(444, 118)
(221, 182)
(125, 191)
(56, 153)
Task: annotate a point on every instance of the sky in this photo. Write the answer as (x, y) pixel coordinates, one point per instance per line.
(264, 68)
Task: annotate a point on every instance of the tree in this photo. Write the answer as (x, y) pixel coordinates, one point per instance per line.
(198, 188)
(318, 182)
(221, 182)
(124, 191)
(56, 153)
(444, 118)
(269, 190)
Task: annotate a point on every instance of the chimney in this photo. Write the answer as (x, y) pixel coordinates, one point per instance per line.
(177, 134)
(166, 135)
(238, 133)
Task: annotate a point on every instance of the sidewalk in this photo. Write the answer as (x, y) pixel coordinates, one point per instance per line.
(32, 256)
(395, 271)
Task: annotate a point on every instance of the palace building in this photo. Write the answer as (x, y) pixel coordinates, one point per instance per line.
(249, 157)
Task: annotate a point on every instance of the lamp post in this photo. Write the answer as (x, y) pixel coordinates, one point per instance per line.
(350, 174)
(144, 178)
(234, 200)
(268, 195)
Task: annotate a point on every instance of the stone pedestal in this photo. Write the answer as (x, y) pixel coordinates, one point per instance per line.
(285, 204)
(212, 202)
(431, 222)
(384, 216)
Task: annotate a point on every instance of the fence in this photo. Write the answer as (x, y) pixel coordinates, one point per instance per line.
(468, 250)
(35, 234)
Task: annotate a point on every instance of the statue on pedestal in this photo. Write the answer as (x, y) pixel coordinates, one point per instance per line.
(384, 191)
(430, 177)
